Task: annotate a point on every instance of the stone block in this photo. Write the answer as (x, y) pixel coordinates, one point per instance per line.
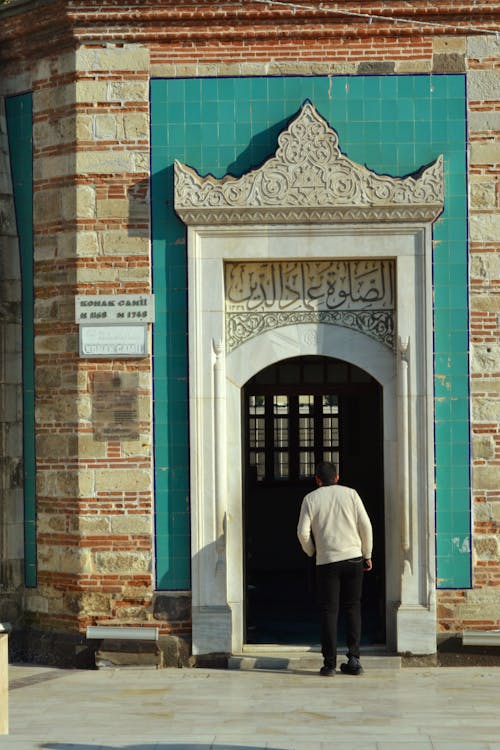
(64, 559)
(131, 524)
(54, 132)
(483, 447)
(90, 448)
(485, 478)
(134, 448)
(128, 91)
(141, 160)
(483, 194)
(122, 480)
(485, 153)
(413, 66)
(481, 512)
(172, 607)
(48, 523)
(479, 47)
(485, 302)
(106, 127)
(129, 57)
(486, 547)
(91, 525)
(448, 62)
(54, 446)
(120, 242)
(87, 91)
(50, 344)
(485, 266)
(83, 127)
(112, 209)
(136, 127)
(46, 167)
(54, 97)
(77, 244)
(484, 227)
(447, 44)
(380, 67)
(47, 378)
(56, 309)
(176, 651)
(484, 121)
(84, 604)
(75, 560)
(65, 483)
(45, 247)
(78, 202)
(123, 562)
(486, 410)
(103, 162)
(483, 85)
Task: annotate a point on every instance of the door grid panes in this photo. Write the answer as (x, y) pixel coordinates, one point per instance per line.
(288, 434)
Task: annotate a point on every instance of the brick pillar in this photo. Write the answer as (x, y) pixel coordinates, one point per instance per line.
(94, 496)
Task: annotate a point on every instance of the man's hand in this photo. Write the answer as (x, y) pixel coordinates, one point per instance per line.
(367, 563)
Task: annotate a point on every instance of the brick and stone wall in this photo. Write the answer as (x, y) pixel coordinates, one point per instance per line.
(479, 607)
(89, 70)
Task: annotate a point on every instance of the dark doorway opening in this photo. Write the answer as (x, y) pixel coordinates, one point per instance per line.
(296, 413)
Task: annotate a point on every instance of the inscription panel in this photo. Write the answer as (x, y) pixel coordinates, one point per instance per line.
(115, 413)
(357, 294)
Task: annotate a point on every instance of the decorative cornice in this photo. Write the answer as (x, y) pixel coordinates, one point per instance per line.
(309, 180)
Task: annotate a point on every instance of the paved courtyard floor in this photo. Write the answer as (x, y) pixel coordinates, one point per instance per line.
(200, 709)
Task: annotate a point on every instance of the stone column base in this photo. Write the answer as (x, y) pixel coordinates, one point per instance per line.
(416, 630)
(212, 630)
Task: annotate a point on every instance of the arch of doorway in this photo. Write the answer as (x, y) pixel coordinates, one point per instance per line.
(267, 349)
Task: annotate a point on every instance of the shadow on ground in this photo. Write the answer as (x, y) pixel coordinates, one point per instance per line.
(153, 746)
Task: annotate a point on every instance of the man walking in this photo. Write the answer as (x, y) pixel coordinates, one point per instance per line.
(334, 524)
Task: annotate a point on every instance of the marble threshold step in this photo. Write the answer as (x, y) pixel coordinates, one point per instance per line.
(304, 658)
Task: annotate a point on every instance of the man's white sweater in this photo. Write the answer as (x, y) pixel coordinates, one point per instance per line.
(334, 523)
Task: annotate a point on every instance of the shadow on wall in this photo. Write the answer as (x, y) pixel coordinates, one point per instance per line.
(152, 746)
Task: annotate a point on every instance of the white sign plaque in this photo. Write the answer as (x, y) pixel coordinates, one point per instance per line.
(114, 308)
(114, 340)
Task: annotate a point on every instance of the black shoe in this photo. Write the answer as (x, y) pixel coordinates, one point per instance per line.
(352, 667)
(327, 671)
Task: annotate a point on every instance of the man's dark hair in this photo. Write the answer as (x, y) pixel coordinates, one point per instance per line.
(327, 472)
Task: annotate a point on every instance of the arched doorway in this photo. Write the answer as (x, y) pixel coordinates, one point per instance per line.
(295, 413)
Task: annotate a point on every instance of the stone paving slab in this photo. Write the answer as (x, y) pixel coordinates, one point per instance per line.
(201, 709)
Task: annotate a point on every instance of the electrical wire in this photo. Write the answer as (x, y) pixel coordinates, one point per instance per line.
(370, 17)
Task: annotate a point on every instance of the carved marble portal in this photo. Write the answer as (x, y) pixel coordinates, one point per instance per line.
(310, 254)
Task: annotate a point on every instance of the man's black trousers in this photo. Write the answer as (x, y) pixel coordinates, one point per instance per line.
(340, 584)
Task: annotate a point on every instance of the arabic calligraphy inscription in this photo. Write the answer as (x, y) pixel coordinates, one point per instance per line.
(358, 294)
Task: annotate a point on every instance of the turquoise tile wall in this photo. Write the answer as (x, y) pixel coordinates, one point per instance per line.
(19, 132)
(393, 125)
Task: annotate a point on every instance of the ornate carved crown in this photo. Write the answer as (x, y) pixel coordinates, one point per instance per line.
(308, 181)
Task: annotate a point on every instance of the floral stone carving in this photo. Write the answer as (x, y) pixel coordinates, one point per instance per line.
(309, 180)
